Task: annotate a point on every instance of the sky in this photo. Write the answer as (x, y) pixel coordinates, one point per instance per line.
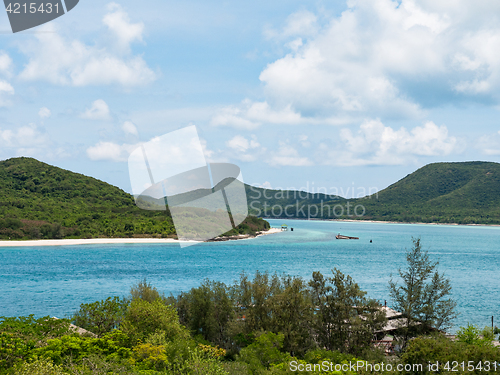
(343, 97)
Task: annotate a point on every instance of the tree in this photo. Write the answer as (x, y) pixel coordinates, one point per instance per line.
(144, 319)
(101, 316)
(146, 291)
(207, 311)
(473, 336)
(293, 315)
(345, 319)
(278, 304)
(424, 296)
(438, 349)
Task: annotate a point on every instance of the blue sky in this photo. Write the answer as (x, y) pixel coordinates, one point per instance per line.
(344, 96)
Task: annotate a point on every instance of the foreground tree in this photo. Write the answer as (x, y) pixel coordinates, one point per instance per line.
(345, 319)
(424, 298)
(277, 304)
(102, 316)
(207, 311)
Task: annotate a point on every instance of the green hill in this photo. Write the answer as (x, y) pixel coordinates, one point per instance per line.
(41, 201)
(467, 192)
(38, 200)
(463, 193)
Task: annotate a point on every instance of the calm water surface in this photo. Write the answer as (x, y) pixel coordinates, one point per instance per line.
(55, 280)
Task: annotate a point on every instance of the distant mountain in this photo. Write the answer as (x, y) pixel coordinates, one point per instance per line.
(38, 200)
(464, 193)
(467, 192)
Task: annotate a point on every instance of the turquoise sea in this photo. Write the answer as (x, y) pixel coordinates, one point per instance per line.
(55, 280)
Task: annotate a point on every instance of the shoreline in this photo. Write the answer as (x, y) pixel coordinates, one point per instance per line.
(104, 241)
(413, 222)
(382, 222)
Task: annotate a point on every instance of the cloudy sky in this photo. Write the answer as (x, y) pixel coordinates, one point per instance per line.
(345, 96)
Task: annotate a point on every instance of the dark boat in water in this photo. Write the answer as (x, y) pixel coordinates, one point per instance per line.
(342, 237)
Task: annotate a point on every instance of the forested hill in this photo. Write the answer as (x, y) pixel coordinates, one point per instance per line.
(467, 192)
(38, 200)
(463, 193)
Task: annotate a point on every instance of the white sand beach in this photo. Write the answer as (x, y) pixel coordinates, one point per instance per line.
(270, 231)
(100, 241)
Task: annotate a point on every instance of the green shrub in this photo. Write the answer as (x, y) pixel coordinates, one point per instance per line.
(265, 351)
(143, 319)
(13, 350)
(473, 336)
(100, 317)
(111, 345)
(39, 366)
(424, 350)
(150, 357)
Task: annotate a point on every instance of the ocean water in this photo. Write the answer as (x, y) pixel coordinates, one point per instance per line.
(56, 280)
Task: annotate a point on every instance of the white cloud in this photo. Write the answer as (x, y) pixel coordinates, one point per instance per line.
(44, 112)
(209, 154)
(62, 61)
(98, 111)
(30, 140)
(118, 21)
(266, 185)
(6, 90)
(5, 63)
(110, 151)
(377, 144)
(287, 155)
(185, 151)
(301, 23)
(304, 140)
(129, 128)
(23, 137)
(489, 144)
(241, 144)
(251, 115)
(381, 58)
(233, 117)
(245, 149)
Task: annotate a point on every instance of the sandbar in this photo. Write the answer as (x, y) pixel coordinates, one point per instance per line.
(101, 241)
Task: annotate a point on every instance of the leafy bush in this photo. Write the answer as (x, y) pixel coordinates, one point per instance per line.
(39, 366)
(145, 291)
(150, 357)
(143, 319)
(100, 317)
(424, 350)
(473, 336)
(13, 350)
(111, 345)
(265, 351)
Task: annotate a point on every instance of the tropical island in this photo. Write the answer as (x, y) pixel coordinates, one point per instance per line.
(39, 201)
(454, 193)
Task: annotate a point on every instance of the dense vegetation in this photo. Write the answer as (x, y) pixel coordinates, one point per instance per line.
(39, 201)
(463, 193)
(262, 326)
